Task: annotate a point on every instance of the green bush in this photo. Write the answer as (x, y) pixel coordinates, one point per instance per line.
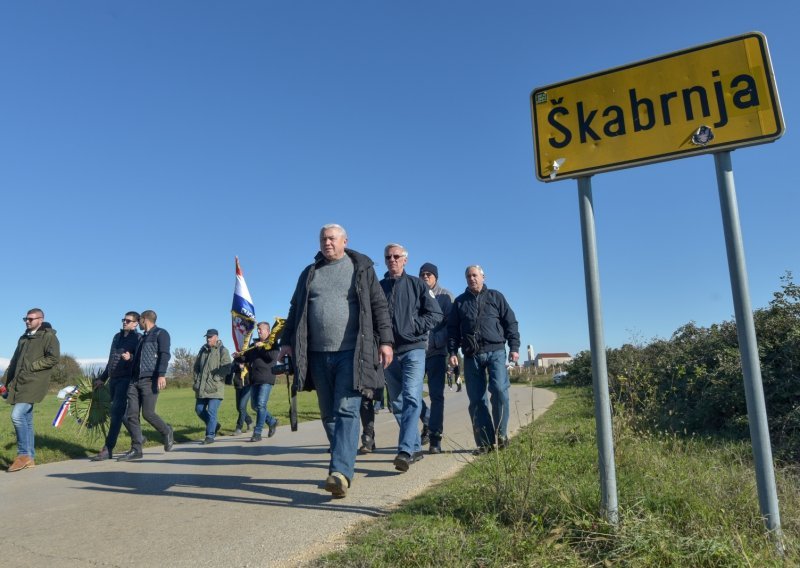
(693, 383)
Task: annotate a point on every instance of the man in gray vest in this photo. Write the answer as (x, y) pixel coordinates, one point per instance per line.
(339, 333)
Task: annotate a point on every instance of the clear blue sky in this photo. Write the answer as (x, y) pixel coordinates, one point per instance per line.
(145, 144)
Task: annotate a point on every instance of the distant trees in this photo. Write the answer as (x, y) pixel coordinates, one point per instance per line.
(66, 372)
(182, 365)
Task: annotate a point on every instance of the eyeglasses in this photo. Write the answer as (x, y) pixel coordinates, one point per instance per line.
(426, 274)
(126, 320)
(393, 256)
(31, 319)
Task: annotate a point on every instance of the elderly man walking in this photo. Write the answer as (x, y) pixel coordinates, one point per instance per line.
(414, 312)
(339, 333)
(480, 323)
(26, 382)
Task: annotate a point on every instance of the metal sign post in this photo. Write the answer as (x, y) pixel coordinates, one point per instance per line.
(748, 347)
(597, 343)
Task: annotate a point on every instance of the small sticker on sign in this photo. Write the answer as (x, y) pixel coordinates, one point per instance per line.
(703, 136)
(541, 97)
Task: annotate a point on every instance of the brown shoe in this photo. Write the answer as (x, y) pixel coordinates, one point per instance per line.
(22, 462)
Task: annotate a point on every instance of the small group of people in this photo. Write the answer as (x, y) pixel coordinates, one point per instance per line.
(350, 333)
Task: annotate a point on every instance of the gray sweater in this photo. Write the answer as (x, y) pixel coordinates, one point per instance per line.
(333, 307)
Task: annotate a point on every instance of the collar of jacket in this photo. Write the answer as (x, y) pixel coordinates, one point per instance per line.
(359, 260)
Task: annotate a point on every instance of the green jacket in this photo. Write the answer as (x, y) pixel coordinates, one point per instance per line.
(210, 369)
(28, 373)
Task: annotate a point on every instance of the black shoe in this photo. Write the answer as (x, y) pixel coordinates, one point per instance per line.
(502, 443)
(103, 455)
(482, 450)
(367, 445)
(436, 446)
(458, 389)
(402, 461)
(425, 436)
(208, 440)
(255, 438)
(170, 439)
(272, 428)
(217, 428)
(130, 455)
(417, 457)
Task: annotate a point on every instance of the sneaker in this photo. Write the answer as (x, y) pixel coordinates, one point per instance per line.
(337, 484)
(402, 461)
(417, 456)
(272, 428)
(237, 432)
(436, 445)
(208, 440)
(169, 441)
(502, 443)
(103, 455)
(130, 455)
(255, 438)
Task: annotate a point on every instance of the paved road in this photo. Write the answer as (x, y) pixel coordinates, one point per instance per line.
(233, 503)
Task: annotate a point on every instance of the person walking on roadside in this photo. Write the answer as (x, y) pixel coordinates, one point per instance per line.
(212, 365)
(117, 375)
(150, 364)
(259, 362)
(414, 311)
(339, 333)
(436, 358)
(480, 323)
(26, 380)
(241, 385)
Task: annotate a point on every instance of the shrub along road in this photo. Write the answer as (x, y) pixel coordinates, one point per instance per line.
(232, 503)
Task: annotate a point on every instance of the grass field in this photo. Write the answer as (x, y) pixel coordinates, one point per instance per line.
(175, 406)
(683, 502)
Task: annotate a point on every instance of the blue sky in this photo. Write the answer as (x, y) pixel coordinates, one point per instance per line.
(144, 145)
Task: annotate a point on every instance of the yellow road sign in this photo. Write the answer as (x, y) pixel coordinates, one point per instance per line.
(708, 98)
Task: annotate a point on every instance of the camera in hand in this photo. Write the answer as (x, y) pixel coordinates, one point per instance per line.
(285, 367)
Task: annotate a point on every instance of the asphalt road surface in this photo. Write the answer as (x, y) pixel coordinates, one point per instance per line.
(231, 503)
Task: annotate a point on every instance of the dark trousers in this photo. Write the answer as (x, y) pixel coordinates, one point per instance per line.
(367, 413)
(143, 395)
(118, 388)
(242, 397)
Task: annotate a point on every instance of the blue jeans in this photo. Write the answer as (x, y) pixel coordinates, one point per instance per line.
(22, 418)
(242, 398)
(404, 379)
(118, 388)
(259, 396)
(436, 368)
(339, 406)
(486, 427)
(206, 409)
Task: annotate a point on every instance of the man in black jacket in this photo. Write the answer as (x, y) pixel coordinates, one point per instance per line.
(414, 312)
(480, 323)
(259, 363)
(339, 333)
(117, 375)
(150, 364)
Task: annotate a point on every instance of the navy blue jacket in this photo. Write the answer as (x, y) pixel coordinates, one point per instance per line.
(496, 325)
(117, 367)
(413, 309)
(152, 355)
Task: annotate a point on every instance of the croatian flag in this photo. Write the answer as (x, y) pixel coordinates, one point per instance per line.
(64, 410)
(243, 313)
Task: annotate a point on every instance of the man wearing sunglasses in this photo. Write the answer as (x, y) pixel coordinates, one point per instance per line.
(117, 375)
(27, 379)
(414, 312)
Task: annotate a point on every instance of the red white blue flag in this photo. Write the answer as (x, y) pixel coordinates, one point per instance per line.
(243, 313)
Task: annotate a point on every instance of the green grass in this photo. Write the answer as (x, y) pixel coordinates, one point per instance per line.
(682, 502)
(175, 405)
